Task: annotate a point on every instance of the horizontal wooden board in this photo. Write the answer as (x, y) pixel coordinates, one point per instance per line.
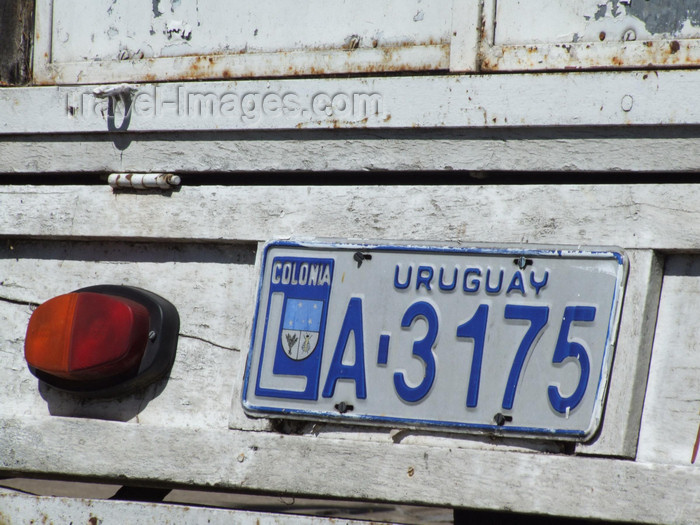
(643, 216)
(559, 485)
(524, 150)
(21, 508)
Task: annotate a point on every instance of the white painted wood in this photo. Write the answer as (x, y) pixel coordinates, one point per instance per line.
(671, 419)
(476, 101)
(21, 508)
(521, 150)
(464, 46)
(547, 484)
(137, 41)
(623, 411)
(212, 287)
(637, 216)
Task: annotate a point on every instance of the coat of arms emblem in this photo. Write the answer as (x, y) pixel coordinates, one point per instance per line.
(301, 326)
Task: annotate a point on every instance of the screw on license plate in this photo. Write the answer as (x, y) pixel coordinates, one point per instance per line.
(501, 419)
(522, 262)
(359, 257)
(343, 407)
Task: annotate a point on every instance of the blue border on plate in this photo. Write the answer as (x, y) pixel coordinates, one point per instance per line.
(447, 425)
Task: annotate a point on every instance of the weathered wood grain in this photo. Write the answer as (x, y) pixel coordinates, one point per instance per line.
(644, 216)
(559, 485)
(21, 508)
(212, 286)
(16, 29)
(671, 421)
(526, 150)
(620, 428)
(195, 247)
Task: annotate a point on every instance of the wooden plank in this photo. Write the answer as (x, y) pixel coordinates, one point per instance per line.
(546, 484)
(16, 28)
(537, 151)
(671, 420)
(632, 98)
(21, 508)
(623, 412)
(212, 287)
(643, 216)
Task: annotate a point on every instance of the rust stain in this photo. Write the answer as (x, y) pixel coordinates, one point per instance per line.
(617, 61)
(648, 43)
(601, 36)
(675, 46)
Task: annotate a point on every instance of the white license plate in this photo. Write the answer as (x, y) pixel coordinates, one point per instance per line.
(509, 340)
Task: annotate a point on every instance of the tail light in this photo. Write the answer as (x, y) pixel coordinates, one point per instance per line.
(102, 341)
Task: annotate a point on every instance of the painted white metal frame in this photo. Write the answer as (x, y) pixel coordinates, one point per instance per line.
(614, 53)
(303, 57)
(511, 101)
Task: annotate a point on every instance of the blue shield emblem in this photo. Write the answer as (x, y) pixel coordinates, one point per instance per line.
(301, 324)
(301, 287)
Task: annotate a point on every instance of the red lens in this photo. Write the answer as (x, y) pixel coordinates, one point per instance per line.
(87, 336)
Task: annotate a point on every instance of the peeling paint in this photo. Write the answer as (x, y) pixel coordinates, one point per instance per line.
(662, 16)
(156, 11)
(592, 33)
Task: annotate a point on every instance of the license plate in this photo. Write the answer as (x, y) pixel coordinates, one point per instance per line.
(509, 340)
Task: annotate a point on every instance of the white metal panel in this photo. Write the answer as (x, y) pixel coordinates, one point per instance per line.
(562, 21)
(559, 34)
(466, 32)
(132, 40)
